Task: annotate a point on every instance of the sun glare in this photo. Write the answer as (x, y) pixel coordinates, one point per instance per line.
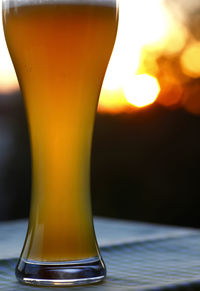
(141, 90)
(134, 32)
(150, 39)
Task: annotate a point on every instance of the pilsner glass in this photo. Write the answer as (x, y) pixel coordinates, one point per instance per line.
(60, 50)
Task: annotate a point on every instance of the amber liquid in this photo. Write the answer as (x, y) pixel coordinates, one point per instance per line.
(60, 53)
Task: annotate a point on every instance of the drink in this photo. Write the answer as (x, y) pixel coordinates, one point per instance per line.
(60, 50)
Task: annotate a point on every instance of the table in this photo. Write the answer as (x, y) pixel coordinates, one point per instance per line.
(138, 256)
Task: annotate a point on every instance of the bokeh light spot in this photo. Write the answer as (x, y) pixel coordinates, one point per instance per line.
(141, 90)
(171, 95)
(191, 101)
(175, 39)
(190, 60)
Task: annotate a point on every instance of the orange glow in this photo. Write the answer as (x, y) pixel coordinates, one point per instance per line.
(8, 79)
(171, 93)
(158, 45)
(175, 39)
(191, 101)
(136, 51)
(112, 101)
(190, 60)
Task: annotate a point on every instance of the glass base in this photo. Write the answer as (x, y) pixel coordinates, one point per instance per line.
(78, 272)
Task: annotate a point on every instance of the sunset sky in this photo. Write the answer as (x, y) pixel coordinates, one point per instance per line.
(143, 36)
(8, 79)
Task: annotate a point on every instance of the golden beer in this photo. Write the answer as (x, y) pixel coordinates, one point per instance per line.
(60, 51)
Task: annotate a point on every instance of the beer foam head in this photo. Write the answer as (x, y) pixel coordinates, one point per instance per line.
(16, 3)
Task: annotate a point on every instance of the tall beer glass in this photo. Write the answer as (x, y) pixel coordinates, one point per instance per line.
(60, 50)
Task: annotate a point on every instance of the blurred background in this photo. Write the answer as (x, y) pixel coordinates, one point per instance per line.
(146, 146)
